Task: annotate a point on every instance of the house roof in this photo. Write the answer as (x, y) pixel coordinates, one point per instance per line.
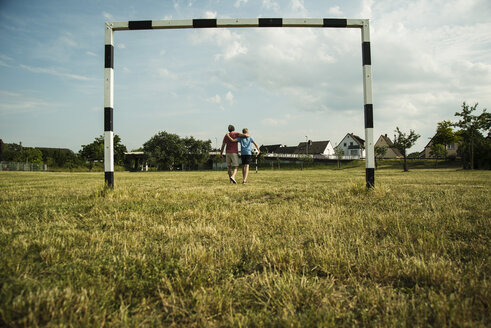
(390, 144)
(286, 150)
(317, 147)
(61, 150)
(269, 148)
(358, 140)
(387, 140)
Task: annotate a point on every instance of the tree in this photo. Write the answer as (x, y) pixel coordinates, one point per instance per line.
(165, 150)
(380, 152)
(444, 135)
(438, 151)
(339, 153)
(471, 131)
(31, 155)
(95, 151)
(197, 152)
(403, 142)
(305, 160)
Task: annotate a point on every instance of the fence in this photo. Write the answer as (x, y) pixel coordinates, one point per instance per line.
(16, 166)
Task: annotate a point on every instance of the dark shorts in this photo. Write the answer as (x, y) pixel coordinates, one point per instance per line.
(246, 159)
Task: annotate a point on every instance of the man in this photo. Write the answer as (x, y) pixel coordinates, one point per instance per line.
(232, 153)
(246, 143)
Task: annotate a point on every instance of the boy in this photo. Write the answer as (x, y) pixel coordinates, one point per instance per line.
(246, 143)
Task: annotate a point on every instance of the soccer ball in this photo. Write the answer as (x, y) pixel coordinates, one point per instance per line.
(255, 152)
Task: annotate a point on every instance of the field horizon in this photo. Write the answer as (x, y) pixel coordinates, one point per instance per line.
(311, 248)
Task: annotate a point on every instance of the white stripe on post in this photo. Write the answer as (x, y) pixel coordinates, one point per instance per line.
(108, 151)
(369, 147)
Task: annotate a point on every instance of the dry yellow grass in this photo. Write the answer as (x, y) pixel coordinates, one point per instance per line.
(291, 248)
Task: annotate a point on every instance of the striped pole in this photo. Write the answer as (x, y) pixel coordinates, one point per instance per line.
(230, 23)
(367, 97)
(108, 107)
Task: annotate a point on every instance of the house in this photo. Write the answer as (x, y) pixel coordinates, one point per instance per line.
(269, 149)
(451, 150)
(353, 146)
(315, 148)
(286, 150)
(392, 152)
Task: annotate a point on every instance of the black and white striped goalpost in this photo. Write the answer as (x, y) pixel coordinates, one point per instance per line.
(362, 24)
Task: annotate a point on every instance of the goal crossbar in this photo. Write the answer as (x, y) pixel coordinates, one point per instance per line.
(111, 27)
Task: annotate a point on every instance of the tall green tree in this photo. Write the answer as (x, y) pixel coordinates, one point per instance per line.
(404, 141)
(95, 151)
(165, 150)
(31, 155)
(197, 152)
(471, 130)
(445, 135)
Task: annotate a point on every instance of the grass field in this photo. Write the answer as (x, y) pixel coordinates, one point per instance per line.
(307, 248)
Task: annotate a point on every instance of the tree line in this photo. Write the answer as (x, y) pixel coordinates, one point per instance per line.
(164, 151)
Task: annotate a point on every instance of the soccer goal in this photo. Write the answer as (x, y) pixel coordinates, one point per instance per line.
(111, 27)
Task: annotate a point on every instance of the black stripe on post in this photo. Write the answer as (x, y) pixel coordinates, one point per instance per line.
(109, 56)
(365, 51)
(270, 22)
(335, 22)
(204, 23)
(108, 119)
(368, 116)
(140, 25)
(370, 177)
(109, 178)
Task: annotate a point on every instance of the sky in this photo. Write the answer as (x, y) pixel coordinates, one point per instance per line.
(286, 85)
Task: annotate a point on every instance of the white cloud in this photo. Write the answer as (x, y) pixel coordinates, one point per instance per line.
(9, 93)
(298, 7)
(90, 53)
(277, 121)
(164, 72)
(55, 72)
(25, 104)
(230, 97)
(121, 46)
(108, 16)
(68, 40)
(229, 43)
(210, 14)
(215, 99)
(239, 3)
(335, 11)
(271, 4)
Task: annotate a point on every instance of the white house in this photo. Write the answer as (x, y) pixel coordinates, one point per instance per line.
(324, 148)
(353, 146)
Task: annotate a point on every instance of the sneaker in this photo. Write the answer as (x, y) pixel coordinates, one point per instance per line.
(245, 182)
(233, 181)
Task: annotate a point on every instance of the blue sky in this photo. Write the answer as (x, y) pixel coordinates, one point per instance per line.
(283, 84)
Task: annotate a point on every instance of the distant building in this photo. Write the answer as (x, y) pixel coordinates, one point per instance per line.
(315, 148)
(451, 150)
(392, 152)
(353, 146)
(269, 149)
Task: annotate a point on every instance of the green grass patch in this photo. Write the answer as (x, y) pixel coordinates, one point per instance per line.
(297, 248)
